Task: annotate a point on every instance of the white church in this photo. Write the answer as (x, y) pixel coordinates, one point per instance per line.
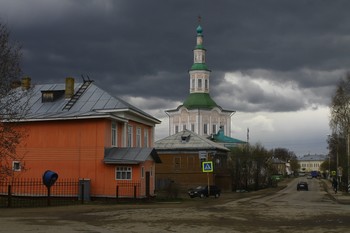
(199, 112)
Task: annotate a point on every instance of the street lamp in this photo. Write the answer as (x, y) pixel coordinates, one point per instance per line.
(329, 156)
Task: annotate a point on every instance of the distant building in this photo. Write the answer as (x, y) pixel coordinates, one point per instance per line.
(310, 162)
(278, 166)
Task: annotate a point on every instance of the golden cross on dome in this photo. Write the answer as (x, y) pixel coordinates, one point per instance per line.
(199, 19)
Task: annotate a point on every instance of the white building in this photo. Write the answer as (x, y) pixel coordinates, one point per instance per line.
(310, 163)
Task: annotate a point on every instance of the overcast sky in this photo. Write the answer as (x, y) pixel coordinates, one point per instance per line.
(275, 62)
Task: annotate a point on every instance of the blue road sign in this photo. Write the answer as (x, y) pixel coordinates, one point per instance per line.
(207, 166)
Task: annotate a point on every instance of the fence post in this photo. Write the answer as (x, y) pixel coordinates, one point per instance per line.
(48, 196)
(9, 196)
(82, 192)
(135, 191)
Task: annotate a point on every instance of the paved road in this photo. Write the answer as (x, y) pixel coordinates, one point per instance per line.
(265, 211)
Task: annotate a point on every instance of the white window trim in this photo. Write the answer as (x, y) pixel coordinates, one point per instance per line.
(138, 137)
(114, 134)
(16, 166)
(130, 136)
(124, 170)
(145, 138)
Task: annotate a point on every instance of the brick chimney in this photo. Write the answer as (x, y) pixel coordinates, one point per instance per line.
(16, 84)
(25, 83)
(69, 91)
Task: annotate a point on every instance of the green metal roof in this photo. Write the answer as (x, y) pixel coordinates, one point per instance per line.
(199, 46)
(200, 100)
(221, 138)
(199, 66)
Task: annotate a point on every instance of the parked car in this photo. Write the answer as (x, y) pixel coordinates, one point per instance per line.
(302, 185)
(202, 191)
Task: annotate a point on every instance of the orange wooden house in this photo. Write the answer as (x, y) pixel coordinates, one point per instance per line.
(80, 131)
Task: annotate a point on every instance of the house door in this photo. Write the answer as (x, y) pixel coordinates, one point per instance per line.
(148, 184)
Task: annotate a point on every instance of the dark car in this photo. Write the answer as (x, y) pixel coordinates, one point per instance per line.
(302, 185)
(202, 191)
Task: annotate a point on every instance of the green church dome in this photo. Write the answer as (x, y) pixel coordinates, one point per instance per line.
(199, 100)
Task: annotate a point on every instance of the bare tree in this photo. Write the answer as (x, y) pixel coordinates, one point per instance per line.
(250, 168)
(340, 119)
(12, 105)
(340, 107)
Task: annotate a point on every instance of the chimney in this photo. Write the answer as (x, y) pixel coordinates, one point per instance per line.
(69, 92)
(16, 84)
(25, 83)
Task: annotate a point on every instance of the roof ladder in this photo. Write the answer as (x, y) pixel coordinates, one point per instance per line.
(77, 95)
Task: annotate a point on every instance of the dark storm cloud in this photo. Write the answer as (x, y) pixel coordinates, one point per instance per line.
(144, 48)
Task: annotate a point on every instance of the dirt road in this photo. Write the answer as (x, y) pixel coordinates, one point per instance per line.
(264, 211)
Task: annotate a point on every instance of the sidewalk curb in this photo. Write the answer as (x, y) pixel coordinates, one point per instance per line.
(340, 197)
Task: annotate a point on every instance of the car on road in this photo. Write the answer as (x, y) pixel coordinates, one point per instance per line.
(302, 185)
(202, 191)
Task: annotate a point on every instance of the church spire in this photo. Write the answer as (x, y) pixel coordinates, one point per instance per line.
(199, 73)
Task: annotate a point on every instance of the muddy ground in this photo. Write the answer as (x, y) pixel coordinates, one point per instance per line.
(267, 210)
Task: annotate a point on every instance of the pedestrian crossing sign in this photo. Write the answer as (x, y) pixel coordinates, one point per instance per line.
(207, 166)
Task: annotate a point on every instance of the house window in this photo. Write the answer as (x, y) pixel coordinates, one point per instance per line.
(176, 128)
(206, 84)
(16, 166)
(123, 173)
(138, 137)
(47, 97)
(145, 138)
(142, 172)
(114, 134)
(205, 129)
(129, 136)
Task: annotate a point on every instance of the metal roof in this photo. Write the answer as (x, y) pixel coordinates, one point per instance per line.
(93, 102)
(187, 140)
(220, 137)
(314, 157)
(129, 155)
